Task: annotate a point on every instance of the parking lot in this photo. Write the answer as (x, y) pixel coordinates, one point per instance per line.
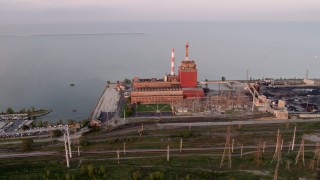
(12, 125)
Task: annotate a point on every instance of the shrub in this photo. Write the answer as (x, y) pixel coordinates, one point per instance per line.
(83, 170)
(90, 169)
(27, 144)
(136, 175)
(186, 134)
(57, 133)
(156, 176)
(84, 143)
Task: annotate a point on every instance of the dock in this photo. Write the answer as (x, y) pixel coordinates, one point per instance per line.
(107, 105)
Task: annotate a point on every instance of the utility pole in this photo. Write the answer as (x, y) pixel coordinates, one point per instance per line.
(275, 177)
(257, 156)
(300, 154)
(66, 149)
(277, 153)
(69, 143)
(118, 156)
(294, 137)
(227, 149)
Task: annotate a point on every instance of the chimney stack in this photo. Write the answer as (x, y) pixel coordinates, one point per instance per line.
(187, 51)
(172, 62)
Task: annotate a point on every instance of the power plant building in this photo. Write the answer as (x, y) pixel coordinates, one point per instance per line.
(160, 95)
(171, 88)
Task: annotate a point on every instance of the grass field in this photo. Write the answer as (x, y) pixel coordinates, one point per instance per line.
(146, 155)
(153, 107)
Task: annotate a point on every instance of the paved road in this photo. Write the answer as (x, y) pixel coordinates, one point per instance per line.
(244, 122)
(32, 154)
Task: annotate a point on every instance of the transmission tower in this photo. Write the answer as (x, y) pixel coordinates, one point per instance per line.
(317, 154)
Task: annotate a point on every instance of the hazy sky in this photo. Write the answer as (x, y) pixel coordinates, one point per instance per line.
(17, 11)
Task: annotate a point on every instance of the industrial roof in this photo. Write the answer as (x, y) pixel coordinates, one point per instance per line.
(158, 89)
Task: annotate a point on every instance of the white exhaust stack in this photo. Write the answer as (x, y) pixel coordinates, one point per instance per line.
(187, 51)
(172, 62)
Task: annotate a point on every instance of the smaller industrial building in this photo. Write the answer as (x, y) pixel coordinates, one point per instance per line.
(172, 87)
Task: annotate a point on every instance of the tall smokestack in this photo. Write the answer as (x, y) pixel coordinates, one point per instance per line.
(187, 51)
(172, 62)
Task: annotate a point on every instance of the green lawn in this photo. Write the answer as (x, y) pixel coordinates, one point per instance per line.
(153, 107)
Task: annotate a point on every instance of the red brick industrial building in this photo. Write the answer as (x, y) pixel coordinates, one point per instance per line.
(171, 88)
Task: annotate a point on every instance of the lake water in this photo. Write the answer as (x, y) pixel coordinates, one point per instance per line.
(38, 62)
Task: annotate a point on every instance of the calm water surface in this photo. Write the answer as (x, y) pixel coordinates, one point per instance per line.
(38, 62)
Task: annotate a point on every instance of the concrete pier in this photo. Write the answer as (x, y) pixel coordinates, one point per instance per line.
(107, 105)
